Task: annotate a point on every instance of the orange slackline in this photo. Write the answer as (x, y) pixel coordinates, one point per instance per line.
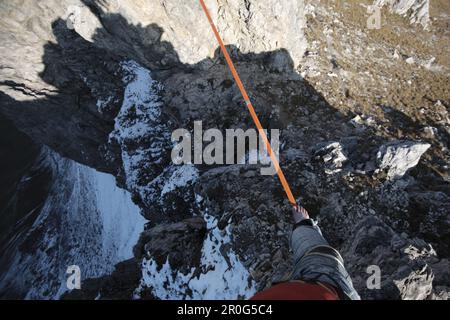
(262, 133)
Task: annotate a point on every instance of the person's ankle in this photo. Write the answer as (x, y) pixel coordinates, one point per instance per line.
(304, 222)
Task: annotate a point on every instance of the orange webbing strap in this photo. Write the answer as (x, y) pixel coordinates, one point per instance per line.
(262, 133)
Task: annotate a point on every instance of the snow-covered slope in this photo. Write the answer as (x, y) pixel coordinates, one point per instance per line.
(86, 221)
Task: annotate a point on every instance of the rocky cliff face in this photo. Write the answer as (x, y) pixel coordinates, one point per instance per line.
(101, 85)
(416, 11)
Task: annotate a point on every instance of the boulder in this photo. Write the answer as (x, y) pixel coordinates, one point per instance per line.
(399, 156)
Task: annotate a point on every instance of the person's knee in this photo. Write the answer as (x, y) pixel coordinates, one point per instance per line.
(325, 265)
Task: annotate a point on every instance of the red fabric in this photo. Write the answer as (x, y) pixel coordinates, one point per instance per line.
(296, 291)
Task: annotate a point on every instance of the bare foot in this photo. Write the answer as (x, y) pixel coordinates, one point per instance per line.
(299, 213)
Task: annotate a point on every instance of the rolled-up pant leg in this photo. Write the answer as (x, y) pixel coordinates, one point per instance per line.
(315, 260)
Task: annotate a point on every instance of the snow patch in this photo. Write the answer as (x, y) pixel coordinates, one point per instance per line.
(181, 177)
(140, 106)
(222, 275)
(103, 103)
(139, 130)
(228, 279)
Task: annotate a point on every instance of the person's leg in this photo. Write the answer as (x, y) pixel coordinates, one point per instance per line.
(306, 236)
(315, 260)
